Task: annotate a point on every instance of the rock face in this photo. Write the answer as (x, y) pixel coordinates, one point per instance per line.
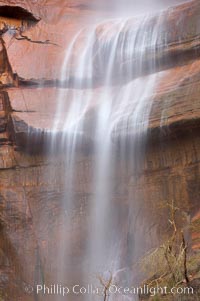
(32, 49)
(195, 232)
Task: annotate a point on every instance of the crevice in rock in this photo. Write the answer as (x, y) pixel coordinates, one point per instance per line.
(40, 82)
(17, 12)
(23, 111)
(5, 66)
(23, 37)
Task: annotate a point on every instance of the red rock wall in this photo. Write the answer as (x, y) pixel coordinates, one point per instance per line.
(31, 183)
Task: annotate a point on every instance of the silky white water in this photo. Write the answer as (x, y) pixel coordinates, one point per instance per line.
(107, 99)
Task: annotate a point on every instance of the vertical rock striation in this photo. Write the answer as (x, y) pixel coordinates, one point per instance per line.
(32, 48)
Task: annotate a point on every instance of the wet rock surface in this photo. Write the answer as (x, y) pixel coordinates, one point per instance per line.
(175, 109)
(32, 48)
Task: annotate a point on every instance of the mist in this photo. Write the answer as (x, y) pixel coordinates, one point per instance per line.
(133, 7)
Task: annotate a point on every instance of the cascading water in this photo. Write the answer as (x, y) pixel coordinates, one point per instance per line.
(108, 103)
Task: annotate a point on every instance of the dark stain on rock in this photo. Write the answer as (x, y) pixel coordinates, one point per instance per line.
(17, 12)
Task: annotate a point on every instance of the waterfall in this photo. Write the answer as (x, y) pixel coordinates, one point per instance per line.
(106, 101)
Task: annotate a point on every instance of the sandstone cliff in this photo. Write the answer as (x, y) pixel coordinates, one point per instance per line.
(32, 49)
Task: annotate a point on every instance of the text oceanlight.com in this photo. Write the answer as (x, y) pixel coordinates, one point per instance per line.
(57, 289)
